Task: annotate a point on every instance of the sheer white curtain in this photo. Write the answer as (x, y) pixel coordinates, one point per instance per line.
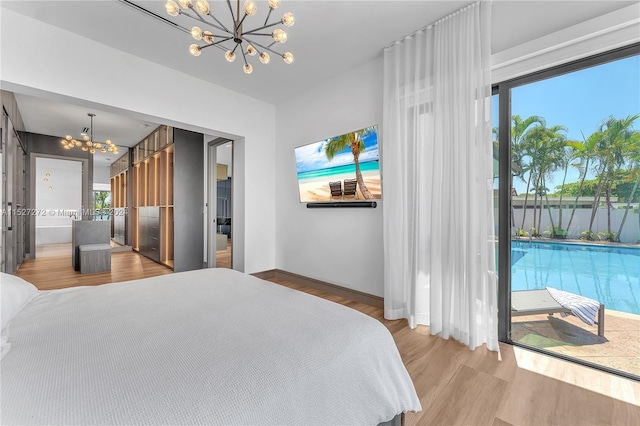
(438, 168)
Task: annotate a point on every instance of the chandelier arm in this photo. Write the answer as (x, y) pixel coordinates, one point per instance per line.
(215, 43)
(220, 23)
(218, 28)
(244, 56)
(264, 47)
(233, 17)
(261, 28)
(201, 19)
(260, 34)
(193, 9)
(240, 23)
(268, 15)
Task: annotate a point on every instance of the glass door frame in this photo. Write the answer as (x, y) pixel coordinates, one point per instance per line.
(503, 90)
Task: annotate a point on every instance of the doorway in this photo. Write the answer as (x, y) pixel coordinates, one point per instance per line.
(58, 196)
(219, 203)
(13, 248)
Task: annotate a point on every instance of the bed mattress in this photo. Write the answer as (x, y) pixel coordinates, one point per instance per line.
(211, 346)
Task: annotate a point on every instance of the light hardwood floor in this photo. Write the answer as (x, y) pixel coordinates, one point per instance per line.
(55, 272)
(223, 257)
(456, 386)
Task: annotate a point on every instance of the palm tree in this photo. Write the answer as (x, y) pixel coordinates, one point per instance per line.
(633, 152)
(545, 147)
(550, 155)
(585, 151)
(355, 141)
(521, 130)
(612, 153)
(569, 155)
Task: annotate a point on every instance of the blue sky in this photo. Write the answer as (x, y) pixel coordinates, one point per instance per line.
(581, 101)
(312, 156)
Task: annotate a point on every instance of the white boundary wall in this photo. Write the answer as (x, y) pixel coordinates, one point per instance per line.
(580, 223)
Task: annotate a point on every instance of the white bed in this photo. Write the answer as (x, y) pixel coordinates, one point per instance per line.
(211, 346)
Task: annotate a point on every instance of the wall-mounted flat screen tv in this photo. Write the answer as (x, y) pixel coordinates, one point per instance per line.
(341, 168)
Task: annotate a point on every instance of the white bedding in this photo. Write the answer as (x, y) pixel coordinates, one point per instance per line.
(212, 346)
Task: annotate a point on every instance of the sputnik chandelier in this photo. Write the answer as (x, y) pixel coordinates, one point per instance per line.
(87, 143)
(239, 41)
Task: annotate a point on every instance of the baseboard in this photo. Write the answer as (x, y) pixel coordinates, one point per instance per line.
(265, 275)
(347, 293)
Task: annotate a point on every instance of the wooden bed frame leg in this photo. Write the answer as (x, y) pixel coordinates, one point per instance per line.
(601, 321)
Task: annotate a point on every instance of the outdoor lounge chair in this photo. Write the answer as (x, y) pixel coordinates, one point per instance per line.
(350, 187)
(336, 189)
(536, 302)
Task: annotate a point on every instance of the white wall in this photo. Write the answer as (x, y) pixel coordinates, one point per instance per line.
(101, 175)
(35, 62)
(342, 246)
(581, 219)
(58, 186)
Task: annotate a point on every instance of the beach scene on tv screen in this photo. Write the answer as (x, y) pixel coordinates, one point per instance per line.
(341, 168)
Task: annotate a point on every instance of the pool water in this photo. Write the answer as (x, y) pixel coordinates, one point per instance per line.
(610, 275)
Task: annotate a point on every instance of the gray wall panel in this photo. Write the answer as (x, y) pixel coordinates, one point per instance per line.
(188, 196)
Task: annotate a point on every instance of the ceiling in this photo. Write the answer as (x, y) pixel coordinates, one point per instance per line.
(328, 38)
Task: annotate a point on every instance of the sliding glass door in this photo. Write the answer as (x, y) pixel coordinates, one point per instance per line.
(569, 192)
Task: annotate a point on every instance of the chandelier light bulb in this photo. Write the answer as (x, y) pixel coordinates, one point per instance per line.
(265, 58)
(203, 7)
(279, 35)
(207, 36)
(251, 51)
(172, 8)
(89, 143)
(108, 142)
(68, 137)
(287, 57)
(195, 50)
(85, 148)
(230, 56)
(110, 149)
(274, 4)
(77, 143)
(103, 150)
(63, 141)
(85, 137)
(288, 19)
(250, 7)
(93, 151)
(67, 147)
(185, 3)
(248, 69)
(196, 33)
(97, 145)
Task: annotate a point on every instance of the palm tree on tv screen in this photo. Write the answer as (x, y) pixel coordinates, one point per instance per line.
(355, 141)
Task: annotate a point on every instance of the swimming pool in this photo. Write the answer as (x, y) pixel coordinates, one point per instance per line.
(610, 275)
